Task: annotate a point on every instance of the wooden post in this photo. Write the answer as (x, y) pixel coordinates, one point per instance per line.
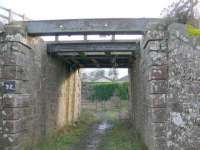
(96, 105)
(56, 38)
(113, 37)
(85, 37)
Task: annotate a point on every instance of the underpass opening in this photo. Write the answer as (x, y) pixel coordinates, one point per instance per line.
(100, 52)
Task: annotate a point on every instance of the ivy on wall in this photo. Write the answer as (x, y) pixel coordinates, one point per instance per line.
(104, 91)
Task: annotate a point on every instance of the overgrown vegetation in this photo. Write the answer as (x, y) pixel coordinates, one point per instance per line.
(122, 91)
(104, 91)
(182, 11)
(68, 136)
(122, 137)
(193, 31)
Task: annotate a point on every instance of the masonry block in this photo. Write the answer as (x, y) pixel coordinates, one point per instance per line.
(13, 58)
(158, 73)
(17, 100)
(159, 115)
(21, 86)
(15, 126)
(156, 58)
(10, 140)
(160, 143)
(16, 113)
(158, 100)
(160, 129)
(155, 34)
(153, 45)
(158, 86)
(157, 45)
(13, 72)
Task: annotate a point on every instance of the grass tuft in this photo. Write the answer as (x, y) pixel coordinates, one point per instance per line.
(69, 135)
(122, 137)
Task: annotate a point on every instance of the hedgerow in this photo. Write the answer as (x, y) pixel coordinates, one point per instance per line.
(104, 91)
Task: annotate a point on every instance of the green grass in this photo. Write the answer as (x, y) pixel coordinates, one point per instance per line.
(111, 115)
(122, 137)
(68, 136)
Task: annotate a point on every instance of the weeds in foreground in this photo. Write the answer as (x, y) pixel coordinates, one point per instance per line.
(122, 137)
(68, 136)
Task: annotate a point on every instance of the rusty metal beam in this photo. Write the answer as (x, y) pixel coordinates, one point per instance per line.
(88, 26)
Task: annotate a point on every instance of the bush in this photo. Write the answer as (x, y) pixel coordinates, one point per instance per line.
(122, 91)
(104, 91)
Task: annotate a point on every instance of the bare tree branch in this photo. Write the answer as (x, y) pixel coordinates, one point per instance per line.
(182, 11)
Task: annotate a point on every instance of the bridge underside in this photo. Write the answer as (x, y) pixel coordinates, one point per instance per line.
(95, 54)
(92, 54)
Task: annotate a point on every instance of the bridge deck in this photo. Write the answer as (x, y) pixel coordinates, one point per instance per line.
(95, 54)
(92, 53)
(88, 26)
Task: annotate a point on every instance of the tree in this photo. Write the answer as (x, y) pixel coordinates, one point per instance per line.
(84, 76)
(97, 74)
(182, 11)
(113, 74)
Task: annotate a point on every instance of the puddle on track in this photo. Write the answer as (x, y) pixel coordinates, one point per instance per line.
(94, 138)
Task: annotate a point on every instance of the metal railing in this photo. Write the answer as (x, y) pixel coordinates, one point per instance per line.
(9, 15)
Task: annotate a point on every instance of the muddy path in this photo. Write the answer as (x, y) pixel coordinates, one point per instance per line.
(94, 136)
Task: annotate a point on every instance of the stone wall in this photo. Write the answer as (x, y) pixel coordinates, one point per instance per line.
(149, 88)
(164, 89)
(183, 96)
(39, 94)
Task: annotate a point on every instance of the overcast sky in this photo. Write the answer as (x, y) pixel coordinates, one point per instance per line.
(61, 9)
(68, 9)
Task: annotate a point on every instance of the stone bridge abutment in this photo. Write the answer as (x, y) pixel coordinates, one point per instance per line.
(39, 94)
(165, 88)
